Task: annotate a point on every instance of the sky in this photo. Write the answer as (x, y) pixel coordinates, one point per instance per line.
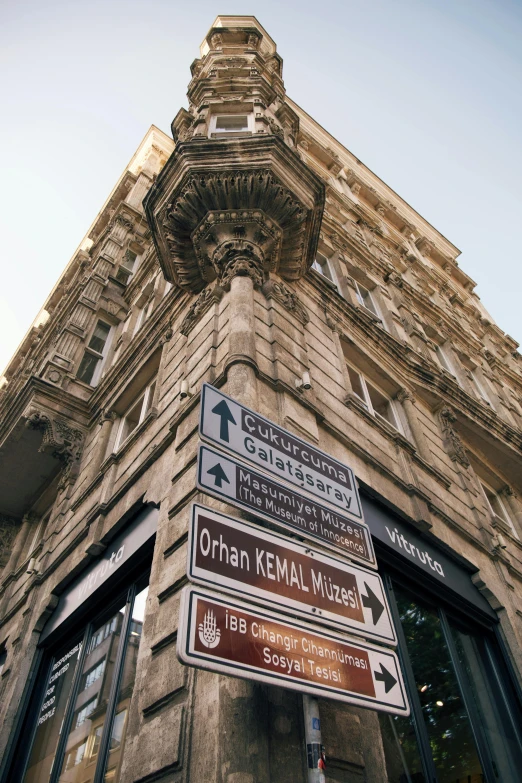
(426, 93)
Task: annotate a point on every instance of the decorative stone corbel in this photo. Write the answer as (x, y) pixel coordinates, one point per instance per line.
(203, 302)
(452, 442)
(275, 289)
(63, 442)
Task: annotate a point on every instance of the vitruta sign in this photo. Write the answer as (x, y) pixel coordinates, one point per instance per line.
(236, 482)
(232, 637)
(245, 433)
(233, 555)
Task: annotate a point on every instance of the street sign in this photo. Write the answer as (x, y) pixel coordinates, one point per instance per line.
(232, 637)
(236, 556)
(237, 483)
(241, 431)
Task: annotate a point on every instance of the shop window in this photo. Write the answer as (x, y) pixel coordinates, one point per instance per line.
(497, 507)
(374, 400)
(135, 414)
(95, 354)
(323, 265)
(465, 723)
(80, 737)
(127, 267)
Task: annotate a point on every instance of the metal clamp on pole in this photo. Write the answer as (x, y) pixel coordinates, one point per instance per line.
(314, 746)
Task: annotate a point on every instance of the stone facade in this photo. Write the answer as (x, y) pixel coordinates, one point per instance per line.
(201, 263)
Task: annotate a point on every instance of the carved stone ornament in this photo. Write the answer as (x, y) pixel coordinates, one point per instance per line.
(8, 530)
(452, 442)
(275, 289)
(62, 441)
(251, 209)
(209, 296)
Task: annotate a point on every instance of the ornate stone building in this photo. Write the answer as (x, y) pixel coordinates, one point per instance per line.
(254, 252)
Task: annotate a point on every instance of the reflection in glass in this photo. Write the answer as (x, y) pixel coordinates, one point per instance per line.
(498, 727)
(403, 760)
(91, 703)
(119, 726)
(449, 731)
(58, 688)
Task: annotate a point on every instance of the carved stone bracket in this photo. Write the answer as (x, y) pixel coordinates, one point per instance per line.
(275, 289)
(8, 529)
(452, 442)
(199, 307)
(63, 442)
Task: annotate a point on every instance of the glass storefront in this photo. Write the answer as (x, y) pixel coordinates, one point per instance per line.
(465, 724)
(84, 697)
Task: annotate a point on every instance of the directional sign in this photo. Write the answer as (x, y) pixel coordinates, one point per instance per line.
(229, 636)
(244, 432)
(237, 483)
(234, 555)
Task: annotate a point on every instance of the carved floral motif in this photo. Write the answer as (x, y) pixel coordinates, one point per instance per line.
(62, 441)
(452, 442)
(199, 307)
(275, 289)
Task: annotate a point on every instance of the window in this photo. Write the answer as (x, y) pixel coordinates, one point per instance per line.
(143, 314)
(365, 298)
(324, 267)
(136, 413)
(478, 386)
(373, 399)
(443, 359)
(127, 267)
(79, 739)
(93, 674)
(3, 659)
(231, 123)
(92, 363)
(497, 507)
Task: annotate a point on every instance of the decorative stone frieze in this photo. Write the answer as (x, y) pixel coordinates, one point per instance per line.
(452, 442)
(62, 441)
(275, 289)
(199, 307)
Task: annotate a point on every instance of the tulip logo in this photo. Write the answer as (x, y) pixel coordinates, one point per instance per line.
(209, 633)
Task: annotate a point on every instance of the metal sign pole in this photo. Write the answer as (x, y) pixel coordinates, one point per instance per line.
(314, 747)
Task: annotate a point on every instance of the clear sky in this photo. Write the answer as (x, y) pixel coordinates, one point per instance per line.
(427, 93)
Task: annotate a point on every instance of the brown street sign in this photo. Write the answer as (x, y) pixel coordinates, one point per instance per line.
(232, 637)
(243, 432)
(268, 568)
(229, 479)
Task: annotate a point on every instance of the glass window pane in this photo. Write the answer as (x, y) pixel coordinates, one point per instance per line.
(498, 725)
(91, 704)
(119, 727)
(365, 298)
(447, 723)
(237, 122)
(322, 265)
(87, 367)
(401, 751)
(99, 337)
(132, 419)
(357, 384)
(381, 405)
(150, 398)
(57, 691)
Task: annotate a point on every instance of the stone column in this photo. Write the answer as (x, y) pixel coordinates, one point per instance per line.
(407, 401)
(241, 364)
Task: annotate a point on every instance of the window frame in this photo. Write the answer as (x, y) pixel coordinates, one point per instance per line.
(444, 360)
(317, 267)
(147, 393)
(479, 387)
(101, 357)
(123, 269)
(214, 131)
(504, 518)
(374, 310)
(368, 403)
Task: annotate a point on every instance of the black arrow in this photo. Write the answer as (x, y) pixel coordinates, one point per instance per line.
(385, 677)
(371, 601)
(219, 475)
(223, 410)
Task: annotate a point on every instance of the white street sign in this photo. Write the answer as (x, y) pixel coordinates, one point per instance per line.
(244, 432)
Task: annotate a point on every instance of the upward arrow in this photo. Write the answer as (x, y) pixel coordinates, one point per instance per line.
(219, 475)
(386, 677)
(223, 411)
(372, 602)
